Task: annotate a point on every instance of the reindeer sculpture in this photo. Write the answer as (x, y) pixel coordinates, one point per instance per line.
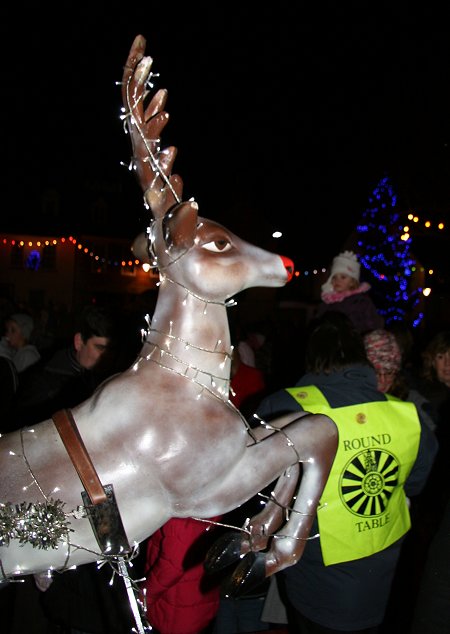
(163, 434)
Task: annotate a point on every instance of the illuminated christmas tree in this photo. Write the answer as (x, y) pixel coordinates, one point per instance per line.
(384, 252)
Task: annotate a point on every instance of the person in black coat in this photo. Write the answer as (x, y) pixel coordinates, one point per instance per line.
(71, 375)
(364, 504)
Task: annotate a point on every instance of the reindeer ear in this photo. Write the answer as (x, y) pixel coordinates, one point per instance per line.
(139, 248)
(180, 226)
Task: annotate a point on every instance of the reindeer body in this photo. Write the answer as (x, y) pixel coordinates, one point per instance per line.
(164, 432)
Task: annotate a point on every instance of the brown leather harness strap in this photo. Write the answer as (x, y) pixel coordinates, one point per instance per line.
(67, 428)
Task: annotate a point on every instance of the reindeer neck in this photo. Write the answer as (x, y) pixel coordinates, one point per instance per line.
(190, 336)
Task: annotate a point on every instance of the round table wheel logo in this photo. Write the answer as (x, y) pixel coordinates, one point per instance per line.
(367, 482)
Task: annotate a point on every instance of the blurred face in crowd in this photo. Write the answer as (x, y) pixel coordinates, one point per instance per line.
(14, 334)
(90, 352)
(442, 367)
(385, 379)
(343, 282)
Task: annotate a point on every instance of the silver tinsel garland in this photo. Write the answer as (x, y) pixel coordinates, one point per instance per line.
(42, 524)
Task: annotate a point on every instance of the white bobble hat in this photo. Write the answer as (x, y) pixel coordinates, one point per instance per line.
(346, 263)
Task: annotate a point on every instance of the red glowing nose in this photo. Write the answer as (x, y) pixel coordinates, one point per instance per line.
(289, 266)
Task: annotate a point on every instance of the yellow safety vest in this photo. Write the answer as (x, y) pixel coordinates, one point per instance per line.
(363, 507)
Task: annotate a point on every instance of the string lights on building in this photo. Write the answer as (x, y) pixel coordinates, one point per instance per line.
(37, 245)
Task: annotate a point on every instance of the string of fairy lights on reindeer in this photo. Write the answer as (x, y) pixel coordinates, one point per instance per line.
(157, 354)
(221, 392)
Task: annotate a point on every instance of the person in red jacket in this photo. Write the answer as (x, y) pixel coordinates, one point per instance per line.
(179, 597)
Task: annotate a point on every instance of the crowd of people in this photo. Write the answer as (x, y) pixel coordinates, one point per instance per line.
(383, 539)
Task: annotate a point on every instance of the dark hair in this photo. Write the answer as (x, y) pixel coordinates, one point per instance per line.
(95, 321)
(405, 339)
(438, 345)
(333, 344)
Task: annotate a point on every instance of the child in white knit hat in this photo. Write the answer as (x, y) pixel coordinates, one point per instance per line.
(343, 292)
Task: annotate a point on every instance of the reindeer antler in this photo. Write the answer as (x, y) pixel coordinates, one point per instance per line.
(144, 123)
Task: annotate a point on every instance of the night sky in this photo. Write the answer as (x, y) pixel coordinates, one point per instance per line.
(284, 117)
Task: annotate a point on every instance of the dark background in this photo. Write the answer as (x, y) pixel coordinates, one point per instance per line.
(284, 116)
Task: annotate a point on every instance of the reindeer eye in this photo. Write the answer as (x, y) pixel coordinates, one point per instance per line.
(217, 246)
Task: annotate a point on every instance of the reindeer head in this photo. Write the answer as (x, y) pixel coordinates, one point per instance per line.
(175, 228)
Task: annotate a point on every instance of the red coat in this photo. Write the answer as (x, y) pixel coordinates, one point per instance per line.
(248, 385)
(180, 597)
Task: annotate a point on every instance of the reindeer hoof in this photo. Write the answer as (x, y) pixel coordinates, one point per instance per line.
(225, 551)
(249, 574)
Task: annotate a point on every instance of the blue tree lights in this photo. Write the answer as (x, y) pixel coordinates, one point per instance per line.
(384, 252)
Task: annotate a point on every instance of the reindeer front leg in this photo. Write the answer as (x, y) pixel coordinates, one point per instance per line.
(258, 529)
(315, 441)
(273, 515)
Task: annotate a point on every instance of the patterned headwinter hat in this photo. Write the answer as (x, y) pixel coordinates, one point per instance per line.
(383, 351)
(345, 262)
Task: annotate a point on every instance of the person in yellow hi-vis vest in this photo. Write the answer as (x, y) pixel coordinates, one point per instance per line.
(385, 454)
